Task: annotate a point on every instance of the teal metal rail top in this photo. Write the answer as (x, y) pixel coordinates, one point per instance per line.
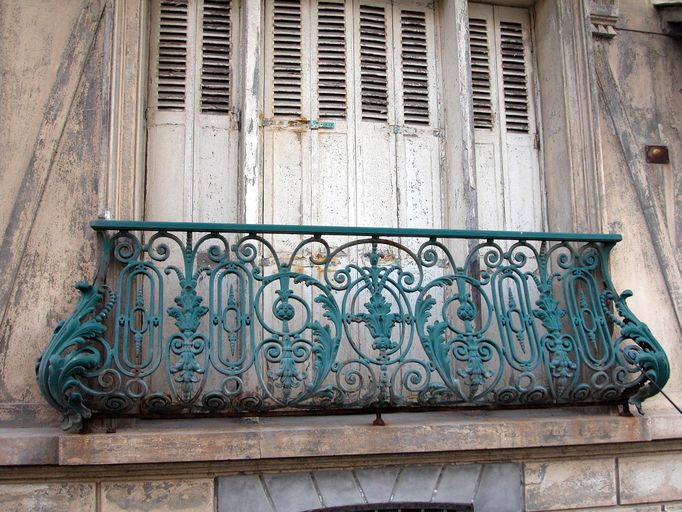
(196, 227)
(189, 319)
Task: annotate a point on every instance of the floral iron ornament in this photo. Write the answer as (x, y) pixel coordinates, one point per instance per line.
(208, 319)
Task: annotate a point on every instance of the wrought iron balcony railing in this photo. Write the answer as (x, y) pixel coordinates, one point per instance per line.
(192, 319)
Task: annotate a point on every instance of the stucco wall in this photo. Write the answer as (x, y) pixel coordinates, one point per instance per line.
(53, 116)
(647, 67)
(33, 36)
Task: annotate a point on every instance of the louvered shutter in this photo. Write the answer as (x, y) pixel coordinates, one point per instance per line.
(507, 161)
(350, 113)
(376, 191)
(331, 60)
(286, 54)
(192, 128)
(216, 53)
(172, 56)
(417, 137)
(414, 66)
(332, 150)
(374, 61)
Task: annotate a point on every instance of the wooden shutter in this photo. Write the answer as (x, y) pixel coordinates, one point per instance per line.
(332, 168)
(480, 72)
(192, 128)
(373, 63)
(351, 112)
(331, 60)
(286, 55)
(414, 66)
(416, 105)
(374, 113)
(513, 40)
(507, 161)
(216, 54)
(171, 69)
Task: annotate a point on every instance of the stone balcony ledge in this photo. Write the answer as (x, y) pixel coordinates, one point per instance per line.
(450, 433)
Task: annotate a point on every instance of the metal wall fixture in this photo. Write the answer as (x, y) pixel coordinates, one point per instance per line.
(657, 154)
(214, 319)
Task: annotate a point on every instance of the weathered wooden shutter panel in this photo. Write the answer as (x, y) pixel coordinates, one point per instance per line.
(414, 67)
(507, 162)
(374, 93)
(417, 134)
(480, 72)
(373, 63)
(216, 48)
(172, 55)
(487, 142)
(359, 80)
(192, 133)
(514, 76)
(214, 185)
(287, 59)
(332, 180)
(331, 59)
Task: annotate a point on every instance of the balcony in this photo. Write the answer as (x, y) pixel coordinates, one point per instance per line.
(187, 319)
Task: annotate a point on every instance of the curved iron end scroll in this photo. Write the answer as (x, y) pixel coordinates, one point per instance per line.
(647, 354)
(217, 320)
(71, 355)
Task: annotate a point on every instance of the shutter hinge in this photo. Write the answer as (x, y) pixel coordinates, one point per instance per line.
(314, 124)
(238, 118)
(266, 121)
(536, 142)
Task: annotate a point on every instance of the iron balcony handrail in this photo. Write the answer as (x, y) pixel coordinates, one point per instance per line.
(187, 319)
(288, 229)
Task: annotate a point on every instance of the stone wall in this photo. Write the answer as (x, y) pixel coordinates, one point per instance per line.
(638, 483)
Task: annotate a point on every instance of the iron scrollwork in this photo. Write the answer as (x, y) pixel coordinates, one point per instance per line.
(197, 320)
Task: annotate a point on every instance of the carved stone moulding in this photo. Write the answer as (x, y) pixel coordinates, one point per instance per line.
(604, 15)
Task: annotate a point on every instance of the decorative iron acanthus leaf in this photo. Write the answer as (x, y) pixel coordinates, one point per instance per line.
(63, 366)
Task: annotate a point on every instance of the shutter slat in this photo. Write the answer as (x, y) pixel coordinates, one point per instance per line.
(287, 66)
(514, 76)
(172, 55)
(480, 64)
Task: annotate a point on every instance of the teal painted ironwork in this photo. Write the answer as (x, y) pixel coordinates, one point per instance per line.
(192, 319)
